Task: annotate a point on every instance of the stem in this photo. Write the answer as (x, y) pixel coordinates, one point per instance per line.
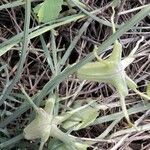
(96, 55)
(58, 134)
(101, 21)
(112, 20)
(136, 47)
(124, 109)
(29, 99)
(41, 145)
(142, 94)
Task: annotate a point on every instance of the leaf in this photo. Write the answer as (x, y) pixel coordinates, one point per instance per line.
(110, 71)
(96, 71)
(116, 3)
(48, 10)
(49, 105)
(40, 127)
(116, 53)
(82, 118)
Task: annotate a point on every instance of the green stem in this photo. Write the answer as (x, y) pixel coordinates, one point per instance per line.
(142, 94)
(124, 109)
(112, 20)
(58, 134)
(29, 99)
(41, 145)
(101, 21)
